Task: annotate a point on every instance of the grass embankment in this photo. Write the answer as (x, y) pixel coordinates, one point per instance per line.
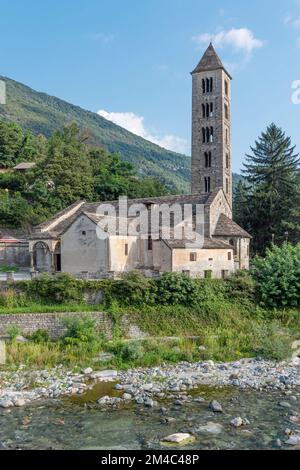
(186, 320)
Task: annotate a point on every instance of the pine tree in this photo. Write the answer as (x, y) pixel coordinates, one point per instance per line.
(272, 172)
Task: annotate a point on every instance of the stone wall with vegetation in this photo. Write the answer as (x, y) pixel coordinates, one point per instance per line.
(51, 322)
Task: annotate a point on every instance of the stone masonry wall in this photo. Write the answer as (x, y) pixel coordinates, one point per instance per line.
(53, 324)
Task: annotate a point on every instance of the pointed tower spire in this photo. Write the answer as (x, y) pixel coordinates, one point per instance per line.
(210, 61)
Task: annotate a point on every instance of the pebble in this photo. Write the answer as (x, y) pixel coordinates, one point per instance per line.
(180, 438)
(237, 422)
(216, 407)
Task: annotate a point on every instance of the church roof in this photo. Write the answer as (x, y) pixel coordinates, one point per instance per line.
(210, 61)
(226, 227)
(208, 244)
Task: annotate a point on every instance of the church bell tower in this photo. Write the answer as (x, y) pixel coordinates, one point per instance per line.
(211, 126)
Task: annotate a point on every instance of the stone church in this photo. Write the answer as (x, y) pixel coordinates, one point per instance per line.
(70, 241)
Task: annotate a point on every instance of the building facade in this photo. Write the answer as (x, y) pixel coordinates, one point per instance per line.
(70, 241)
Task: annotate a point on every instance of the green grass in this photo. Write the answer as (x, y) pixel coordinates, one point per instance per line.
(48, 308)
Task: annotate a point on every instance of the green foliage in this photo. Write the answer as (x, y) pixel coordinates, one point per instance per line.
(40, 336)
(273, 342)
(13, 332)
(80, 330)
(43, 114)
(133, 289)
(128, 352)
(60, 289)
(267, 202)
(277, 276)
(173, 289)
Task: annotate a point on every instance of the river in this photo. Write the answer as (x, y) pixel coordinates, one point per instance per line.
(78, 423)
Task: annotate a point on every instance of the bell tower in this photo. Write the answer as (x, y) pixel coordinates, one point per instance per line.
(211, 126)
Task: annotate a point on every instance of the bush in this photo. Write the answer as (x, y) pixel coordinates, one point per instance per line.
(174, 289)
(128, 352)
(40, 336)
(273, 342)
(59, 289)
(13, 332)
(133, 289)
(277, 276)
(80, 330)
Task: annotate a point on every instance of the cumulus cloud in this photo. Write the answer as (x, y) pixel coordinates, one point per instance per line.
(135, 124)
(241, 39)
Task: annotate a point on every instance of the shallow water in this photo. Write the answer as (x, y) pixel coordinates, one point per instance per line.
(79, 424)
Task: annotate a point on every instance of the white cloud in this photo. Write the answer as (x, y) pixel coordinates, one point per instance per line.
(241, 39)
(293, 21)
(135, 124)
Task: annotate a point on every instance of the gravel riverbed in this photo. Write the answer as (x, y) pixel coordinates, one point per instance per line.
(148, 386)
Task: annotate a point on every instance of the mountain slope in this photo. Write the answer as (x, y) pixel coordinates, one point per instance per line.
(43, 114)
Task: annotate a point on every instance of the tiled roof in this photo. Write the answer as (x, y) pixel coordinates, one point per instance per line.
(25, 166)
(226, 227)
(210, 61)
(209, 244)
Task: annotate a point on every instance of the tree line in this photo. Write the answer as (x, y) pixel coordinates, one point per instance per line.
(67, 169)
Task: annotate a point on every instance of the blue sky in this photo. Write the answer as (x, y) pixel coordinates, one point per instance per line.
(132, 58)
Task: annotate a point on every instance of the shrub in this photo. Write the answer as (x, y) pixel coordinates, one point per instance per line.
(277, 276)
(133, 289)
(241, 286)
(273, 342)
(59, 289)
(128, 352)
(173, 289)
(80, 330)
(40, 336)
(13, 331)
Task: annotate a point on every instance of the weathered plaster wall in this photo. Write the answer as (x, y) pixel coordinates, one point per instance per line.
(82, 250)
(207, 260)
(13, 254)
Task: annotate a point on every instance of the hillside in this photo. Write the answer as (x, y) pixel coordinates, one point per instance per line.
(43, 114)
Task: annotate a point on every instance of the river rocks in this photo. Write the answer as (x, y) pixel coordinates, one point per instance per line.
(6, 404)
(87, 371)
(19, 402)
(216, 407)
(104, 375)
(180, 438)
(239, 422)
(295, 420)
(209, 428)
(284, 404)
(127, 397)
(294, 440)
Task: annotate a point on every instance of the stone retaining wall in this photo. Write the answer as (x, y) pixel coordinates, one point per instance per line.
(51, 322)
(28, 323)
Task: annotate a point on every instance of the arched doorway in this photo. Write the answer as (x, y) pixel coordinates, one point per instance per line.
(41, 257)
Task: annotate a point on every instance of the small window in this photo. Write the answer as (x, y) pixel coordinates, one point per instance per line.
(229, 256)
(227, 161)
(150, 244)
(225, 274)
(226, 88)
(208, 274)
(126, 249)
(226, 111)
(227, 186)
(83, 233)
(193, 257)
